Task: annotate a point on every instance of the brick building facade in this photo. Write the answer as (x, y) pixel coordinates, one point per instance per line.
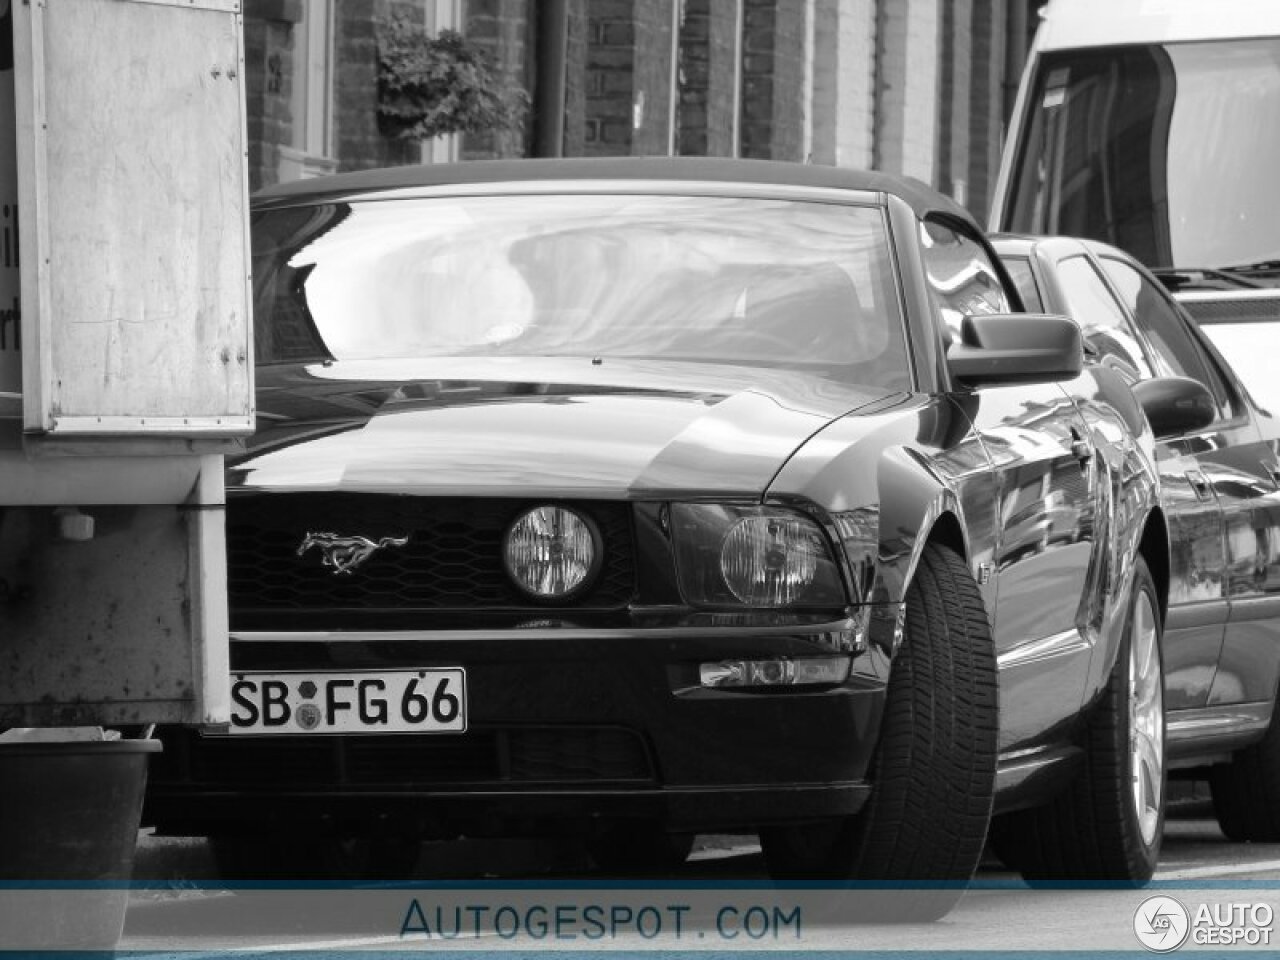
(909, 86)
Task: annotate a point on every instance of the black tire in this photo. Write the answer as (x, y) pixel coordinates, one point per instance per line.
(933, 769)
(1094, 830)
(287, 858)
(1246, 791)
(638, 848)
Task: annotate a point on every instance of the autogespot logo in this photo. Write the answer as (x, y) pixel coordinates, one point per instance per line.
(1161, 924)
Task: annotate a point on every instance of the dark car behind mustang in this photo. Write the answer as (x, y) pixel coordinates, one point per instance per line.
(645, 498)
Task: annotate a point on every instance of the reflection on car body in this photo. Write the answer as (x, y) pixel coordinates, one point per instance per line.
(703, 480)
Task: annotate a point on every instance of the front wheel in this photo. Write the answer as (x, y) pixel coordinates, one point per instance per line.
(1108, 825)
(933, 769)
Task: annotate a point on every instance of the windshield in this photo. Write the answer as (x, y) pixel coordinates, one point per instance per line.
(1168, 151)
(725, 280)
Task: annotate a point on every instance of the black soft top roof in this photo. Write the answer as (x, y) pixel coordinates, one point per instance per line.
(922, 198)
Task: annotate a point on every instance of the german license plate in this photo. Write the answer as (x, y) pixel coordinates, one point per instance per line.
(404, 701)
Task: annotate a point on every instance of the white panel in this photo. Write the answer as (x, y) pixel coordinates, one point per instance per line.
(210, 615)
(1088, 23)
(919, 137)
(810, 20)
(855, 129)
(134, 200)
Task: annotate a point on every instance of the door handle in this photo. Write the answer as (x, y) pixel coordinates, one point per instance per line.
(1200, 484)
(1080, 448)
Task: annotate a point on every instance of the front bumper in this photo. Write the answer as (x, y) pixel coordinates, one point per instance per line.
(564, 725)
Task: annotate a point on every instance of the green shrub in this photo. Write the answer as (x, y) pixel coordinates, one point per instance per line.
(433, 85)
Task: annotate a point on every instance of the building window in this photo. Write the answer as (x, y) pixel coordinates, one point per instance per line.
(310, 152)
(708, 104)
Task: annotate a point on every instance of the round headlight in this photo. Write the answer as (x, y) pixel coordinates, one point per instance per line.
(770, 561)
(552, 553)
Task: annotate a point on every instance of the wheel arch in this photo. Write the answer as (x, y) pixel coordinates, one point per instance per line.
(918, 506)
(1152, 546)
(947, 532)
(942, 523)
(941, 526)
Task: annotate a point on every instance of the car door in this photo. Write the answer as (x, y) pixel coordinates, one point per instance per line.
(1241, 471)
(1043, 480)
(1198, 610)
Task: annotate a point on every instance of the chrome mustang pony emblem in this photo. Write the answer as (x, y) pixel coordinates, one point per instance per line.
(344, 554)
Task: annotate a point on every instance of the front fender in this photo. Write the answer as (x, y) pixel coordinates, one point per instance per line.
(887, 479)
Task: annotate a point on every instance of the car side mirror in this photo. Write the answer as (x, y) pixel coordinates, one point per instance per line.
(1175, 405)
(1016, 348)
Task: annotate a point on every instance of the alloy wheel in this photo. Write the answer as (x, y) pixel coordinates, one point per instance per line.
(1146, 718)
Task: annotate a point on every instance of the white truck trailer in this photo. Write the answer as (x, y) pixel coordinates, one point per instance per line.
(126, 358)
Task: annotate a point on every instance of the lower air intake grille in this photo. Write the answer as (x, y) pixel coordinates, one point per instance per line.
(551, 755)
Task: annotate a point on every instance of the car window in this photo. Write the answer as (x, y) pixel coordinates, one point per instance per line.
(962, 280)
(1101, 320)
(744, 281)
(1020, 270)
(1166, 332)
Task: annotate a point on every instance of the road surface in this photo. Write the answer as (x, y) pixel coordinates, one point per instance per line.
(1199, 868)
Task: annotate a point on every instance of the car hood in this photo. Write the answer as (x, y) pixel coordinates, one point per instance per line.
(533, 427)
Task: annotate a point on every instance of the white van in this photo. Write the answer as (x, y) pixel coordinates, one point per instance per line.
(1153, 125)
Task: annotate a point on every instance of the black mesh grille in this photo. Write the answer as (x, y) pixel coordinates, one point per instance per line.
(1235, 310)
(550, 755)
(453, 559)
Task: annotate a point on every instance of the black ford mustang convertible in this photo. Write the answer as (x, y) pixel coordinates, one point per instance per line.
(644, 498)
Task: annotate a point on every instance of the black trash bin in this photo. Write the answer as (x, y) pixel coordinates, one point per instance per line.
(69, 815)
